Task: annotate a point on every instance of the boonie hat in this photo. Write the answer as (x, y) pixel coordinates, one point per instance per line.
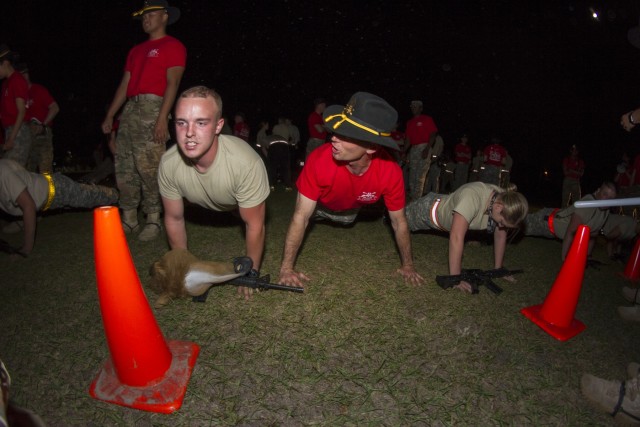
(153, 5)
(366, 117)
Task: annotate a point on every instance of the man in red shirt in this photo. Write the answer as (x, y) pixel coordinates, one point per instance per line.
(41, 110)
(13, 109)
(240, 127)
(462, 158)
(494, 157)
(353, 171)
(420, 133)
(573, 169)
(315, 125)
(149, 86)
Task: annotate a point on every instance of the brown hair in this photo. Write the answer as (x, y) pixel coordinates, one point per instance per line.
(514, 205)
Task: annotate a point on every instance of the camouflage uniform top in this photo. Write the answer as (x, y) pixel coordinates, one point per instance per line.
(537, 223)
(594, 218)
(14, 179)
(237, 177)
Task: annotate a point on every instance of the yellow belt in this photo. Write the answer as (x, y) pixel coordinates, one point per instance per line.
(52, 191)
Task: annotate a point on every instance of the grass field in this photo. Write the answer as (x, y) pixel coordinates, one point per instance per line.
(359, 347)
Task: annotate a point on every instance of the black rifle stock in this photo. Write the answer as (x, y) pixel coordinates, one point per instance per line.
(477, 278)
(260, 283)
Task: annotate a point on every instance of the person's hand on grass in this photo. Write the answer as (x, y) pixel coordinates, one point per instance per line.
(410, 275)
(510, 279)
(245, 292)
(290, 277)
(464, 287)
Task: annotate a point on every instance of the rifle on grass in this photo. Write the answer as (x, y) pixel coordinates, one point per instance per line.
(477, 278)
(252, 280)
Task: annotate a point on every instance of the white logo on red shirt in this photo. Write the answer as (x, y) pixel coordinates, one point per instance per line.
(367, 196)
(153, 53)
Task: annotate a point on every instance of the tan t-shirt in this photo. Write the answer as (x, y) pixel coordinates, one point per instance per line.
(13, 180)
(471, 201)
(237, 177)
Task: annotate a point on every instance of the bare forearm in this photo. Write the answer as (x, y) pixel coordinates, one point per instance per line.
(176, 233)
(455, 255)
(403, 241)
(255, 244)
(29, 218)
(499, 247)
(292, 242)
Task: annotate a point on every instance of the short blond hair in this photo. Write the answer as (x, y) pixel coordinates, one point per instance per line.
(203, 92)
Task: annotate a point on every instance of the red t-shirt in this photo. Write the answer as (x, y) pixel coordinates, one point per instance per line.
(573, 164)
(38, 104)
(148, 63)
(14, 86)
(494, 155)
(330, 183)
(241, 130)
(462, 153)
(316, 119)
(419, 129)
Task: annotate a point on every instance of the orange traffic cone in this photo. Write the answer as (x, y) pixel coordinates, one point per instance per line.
(555, 315)
(632, 270)
(144, 371)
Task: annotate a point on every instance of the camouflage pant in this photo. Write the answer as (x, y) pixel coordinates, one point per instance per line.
(341, 217)
(41, 153)
(416, 166)
(72, 194)
(418, 213)
(570, 191)
(21, 146)
(138, 156)
(461, 175)
(536, 224)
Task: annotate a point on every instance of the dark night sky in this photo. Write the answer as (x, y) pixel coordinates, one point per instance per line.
(542, 75)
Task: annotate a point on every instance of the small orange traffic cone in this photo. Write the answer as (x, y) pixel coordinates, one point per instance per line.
(555, 315)
(144, 371)
(632, 270)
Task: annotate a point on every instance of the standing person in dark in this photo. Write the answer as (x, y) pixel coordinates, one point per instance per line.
(41, 110)
(462, 157)
(573, 169)
(149, 86)
(420, 133)
(13, 109)
(315, 125)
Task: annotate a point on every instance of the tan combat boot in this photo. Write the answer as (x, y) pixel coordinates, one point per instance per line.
(130, 221)
(152, 229)
(618, 398)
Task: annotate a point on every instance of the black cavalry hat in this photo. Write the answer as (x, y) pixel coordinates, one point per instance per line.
(153, 5)
(366, 117)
